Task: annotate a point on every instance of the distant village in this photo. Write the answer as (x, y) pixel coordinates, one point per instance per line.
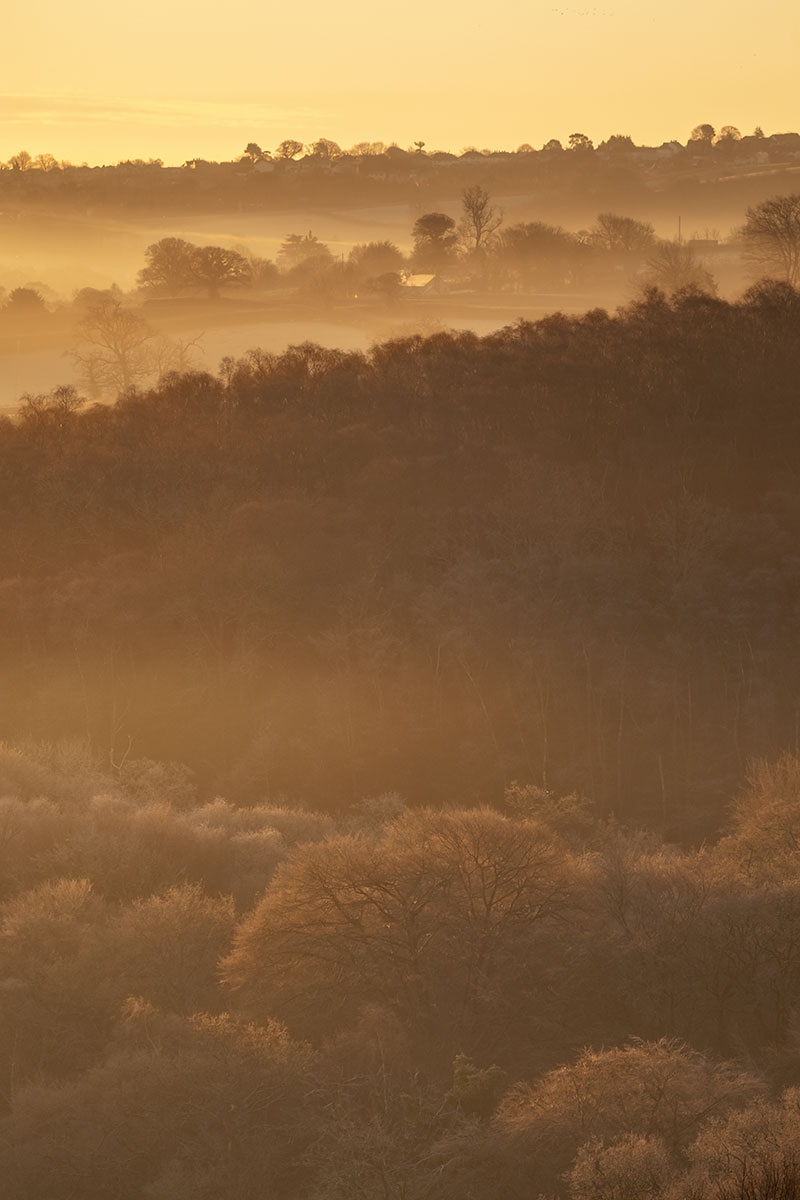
(323, 170)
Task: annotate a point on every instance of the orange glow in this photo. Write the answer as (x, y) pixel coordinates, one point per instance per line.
(163, 80)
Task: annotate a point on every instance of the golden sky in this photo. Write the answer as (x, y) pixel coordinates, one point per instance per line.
(103, 80)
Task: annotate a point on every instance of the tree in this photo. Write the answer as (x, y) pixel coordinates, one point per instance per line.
(263, 272)
(89, 297)
(389, 286)
(178, 1110)
(21, 161)
(214, 266)
(25, 301)
(254, 152)
(580, 142)
(728, 133)
(51, 1011)
(298, 249)
(366, 149)
(372, 259)
(775, 299)
(423, 919)
(479, 220)
(703, 133)
(289, 149)
(674, 266)
(618, 143)
(165, 948)
(632, 1167)
(49, 409)
(753, 1154)
(325, 149)
(116, 349)
(765, 827)
(168, 265)
(435, 240)
(662, 1090)
(45, 162)
(622, 234)
(537, 251)
(771, 236)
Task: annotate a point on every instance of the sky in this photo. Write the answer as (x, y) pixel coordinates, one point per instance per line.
(100, 81)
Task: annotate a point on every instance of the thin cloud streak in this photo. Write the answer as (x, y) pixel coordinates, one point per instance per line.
(72, 110)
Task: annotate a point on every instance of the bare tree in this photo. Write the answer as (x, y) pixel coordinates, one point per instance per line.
(325, 149)
(45, 162)
(21, 161)
(771, 236)
(289, 148)
(673, 266)
(116, 349)
(423, 917)
(479, 220)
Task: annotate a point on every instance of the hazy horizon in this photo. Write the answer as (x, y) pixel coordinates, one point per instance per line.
(451, 77)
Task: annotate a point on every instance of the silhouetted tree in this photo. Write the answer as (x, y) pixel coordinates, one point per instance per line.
(728, 133)
(45, 162)
(214, 267)
(673, 266)
(325, 149)
(771, 236)
(300, 248)
(435, 241)
(580, 142)
(703, 133)
(536, 251)
(21, 161)
(618, 143)
(168, 265)
(25, 301)
(254, 152)
(289, 148)
(479, 220)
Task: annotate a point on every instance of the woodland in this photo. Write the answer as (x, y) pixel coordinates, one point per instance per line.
(400, 774)
(563, 553)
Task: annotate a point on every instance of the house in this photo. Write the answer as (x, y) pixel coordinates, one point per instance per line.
(421, 285)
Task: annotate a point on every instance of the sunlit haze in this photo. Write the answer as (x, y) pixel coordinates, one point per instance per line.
(178, 80)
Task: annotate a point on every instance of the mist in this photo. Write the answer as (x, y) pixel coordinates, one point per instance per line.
(92, 228)
(399, 731)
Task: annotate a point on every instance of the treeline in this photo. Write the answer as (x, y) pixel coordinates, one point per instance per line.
(322, 172)
(562, 554)
(495, 1002)
(477, 253)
